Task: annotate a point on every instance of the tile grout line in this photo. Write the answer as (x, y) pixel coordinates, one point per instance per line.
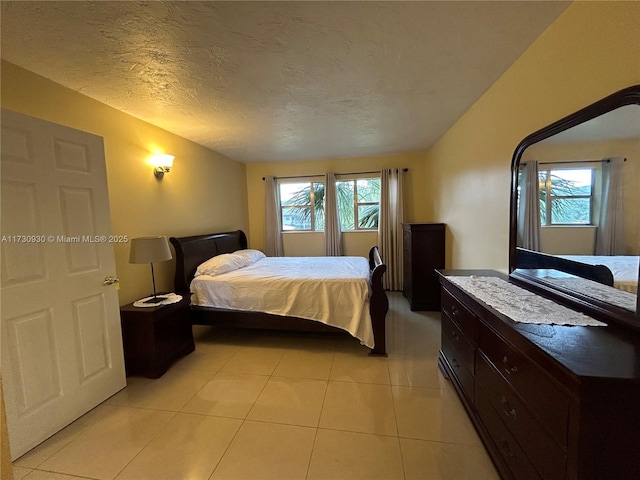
(317, 429)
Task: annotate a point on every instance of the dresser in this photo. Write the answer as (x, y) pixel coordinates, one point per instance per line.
(423, 253)
(548, 401)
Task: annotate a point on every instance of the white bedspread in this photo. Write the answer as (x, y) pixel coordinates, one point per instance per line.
(623, 268)
(331, 290)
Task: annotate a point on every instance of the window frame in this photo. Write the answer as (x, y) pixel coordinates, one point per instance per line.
(549, 197)
(355, 203)
(310, 181)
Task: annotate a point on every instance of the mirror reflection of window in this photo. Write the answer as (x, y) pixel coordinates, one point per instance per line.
(566, 195)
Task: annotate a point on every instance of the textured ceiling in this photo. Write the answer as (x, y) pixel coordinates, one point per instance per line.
(268, 81)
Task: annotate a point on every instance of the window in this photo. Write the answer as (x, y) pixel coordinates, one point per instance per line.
(358, 203)
(566, 196)
(302, 204)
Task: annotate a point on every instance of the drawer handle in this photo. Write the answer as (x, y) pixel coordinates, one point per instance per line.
(455, 363)
(455, 336)
(508, 368)
(504, 443)
(509, 411)
(454, 311)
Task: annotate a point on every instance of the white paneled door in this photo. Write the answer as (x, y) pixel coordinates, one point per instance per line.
(61, 339)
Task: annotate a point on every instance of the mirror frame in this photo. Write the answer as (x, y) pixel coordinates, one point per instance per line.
(584, 303)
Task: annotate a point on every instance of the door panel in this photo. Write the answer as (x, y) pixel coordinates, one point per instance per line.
(76, 207)
(71, 156)
(22, 262)
(32, 346)
(90, 323)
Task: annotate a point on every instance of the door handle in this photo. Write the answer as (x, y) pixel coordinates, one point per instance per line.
(109, 280)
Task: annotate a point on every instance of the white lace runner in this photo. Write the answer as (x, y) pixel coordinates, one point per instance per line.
(520, 305)
(612, 295)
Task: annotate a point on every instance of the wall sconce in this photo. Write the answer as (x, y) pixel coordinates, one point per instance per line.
(163, 164)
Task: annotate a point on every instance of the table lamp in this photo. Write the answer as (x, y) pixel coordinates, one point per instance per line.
(150, 250)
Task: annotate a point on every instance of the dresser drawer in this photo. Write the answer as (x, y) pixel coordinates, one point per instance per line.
(511, 452)
(466, 320)
(463, 375)
(464, 349)
(542, 451)
(544, 399)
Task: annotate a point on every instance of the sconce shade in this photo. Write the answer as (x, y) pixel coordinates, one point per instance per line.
(149, 250)
(163, 160)
(163, 163)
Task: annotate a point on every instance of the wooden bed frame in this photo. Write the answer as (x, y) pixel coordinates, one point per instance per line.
(192, 251)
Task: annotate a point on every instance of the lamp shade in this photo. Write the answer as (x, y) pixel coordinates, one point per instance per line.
(163, 161)
(149, 250)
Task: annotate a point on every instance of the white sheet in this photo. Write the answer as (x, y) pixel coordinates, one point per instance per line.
(331, 290)
(623, 268)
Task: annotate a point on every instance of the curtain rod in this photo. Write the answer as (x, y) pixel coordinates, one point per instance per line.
(604, 160)
(337, 173)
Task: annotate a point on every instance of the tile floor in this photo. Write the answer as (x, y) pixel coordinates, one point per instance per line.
(256, 405)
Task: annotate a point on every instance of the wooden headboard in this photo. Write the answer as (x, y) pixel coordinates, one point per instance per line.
(192, 251)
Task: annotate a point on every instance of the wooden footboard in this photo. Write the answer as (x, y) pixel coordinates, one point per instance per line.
(192, 251)
(379, 303)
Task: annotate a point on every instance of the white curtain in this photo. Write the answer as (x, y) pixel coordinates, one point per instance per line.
(273, 222)
(610, 235)
(332, 233)
(529, 208)
(390, 226)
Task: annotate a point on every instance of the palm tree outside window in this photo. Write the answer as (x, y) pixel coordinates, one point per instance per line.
(302, 204)
(566, 196)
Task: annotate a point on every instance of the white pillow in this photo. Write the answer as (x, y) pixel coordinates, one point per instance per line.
(227, 262)
(250, 254)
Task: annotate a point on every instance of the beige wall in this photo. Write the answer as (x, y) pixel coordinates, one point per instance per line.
(568, 240)
(204, 192)
(589, 52)
(418, 207)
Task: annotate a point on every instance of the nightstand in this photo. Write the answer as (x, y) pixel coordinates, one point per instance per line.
(154, 337)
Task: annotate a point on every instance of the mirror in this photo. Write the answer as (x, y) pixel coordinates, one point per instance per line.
(575, 209)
